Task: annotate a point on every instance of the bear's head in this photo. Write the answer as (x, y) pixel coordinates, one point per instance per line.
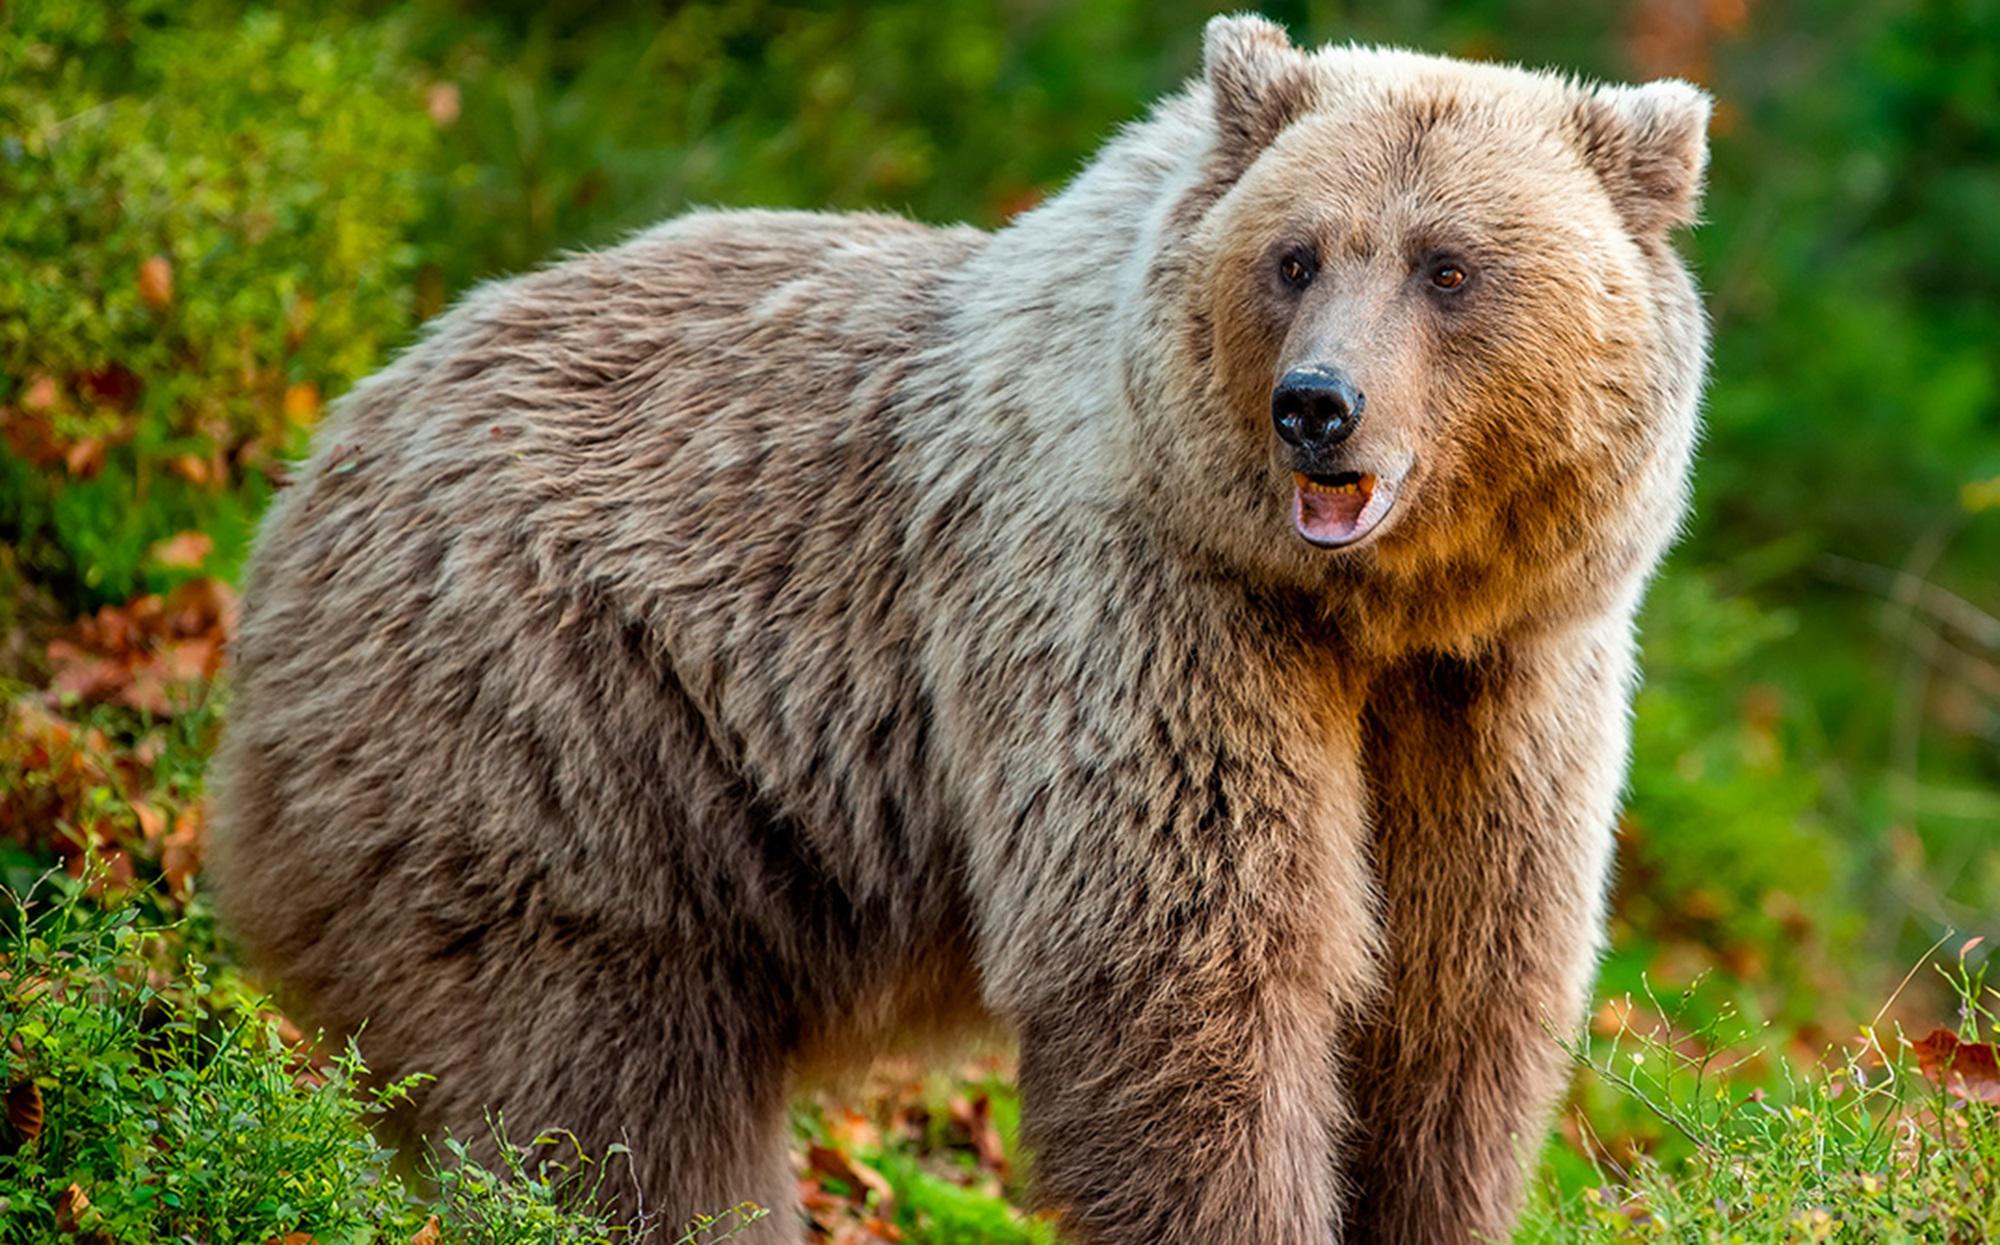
(1427, 350)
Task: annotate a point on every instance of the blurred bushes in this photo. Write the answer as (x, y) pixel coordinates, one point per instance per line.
(205, 233)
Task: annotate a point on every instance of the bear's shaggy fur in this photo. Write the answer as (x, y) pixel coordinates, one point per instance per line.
(699, 664)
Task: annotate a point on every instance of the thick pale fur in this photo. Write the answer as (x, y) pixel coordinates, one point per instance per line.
(697, 665)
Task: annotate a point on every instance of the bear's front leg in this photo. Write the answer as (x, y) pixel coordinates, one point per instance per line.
(1496, 783)
(1180, 936)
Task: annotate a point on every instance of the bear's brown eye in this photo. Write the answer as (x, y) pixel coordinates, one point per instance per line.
(1298, 269)
(1448, 275)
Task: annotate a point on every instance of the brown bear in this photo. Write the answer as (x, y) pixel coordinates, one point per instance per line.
(1190, 627)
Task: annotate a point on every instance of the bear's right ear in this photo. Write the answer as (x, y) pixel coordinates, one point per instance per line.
(1259, 81)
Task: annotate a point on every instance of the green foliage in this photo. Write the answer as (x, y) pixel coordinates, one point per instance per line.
(169, 1108)
(934, 1211)
(580, 122)
(545, 1201)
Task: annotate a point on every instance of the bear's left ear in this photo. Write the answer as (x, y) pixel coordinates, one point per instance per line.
(1649, 144)
(1259, 81)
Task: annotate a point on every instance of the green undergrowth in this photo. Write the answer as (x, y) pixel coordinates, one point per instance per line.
(1889, 1137)
(149, 1099)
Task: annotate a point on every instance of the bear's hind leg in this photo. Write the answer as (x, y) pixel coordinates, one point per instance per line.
(617, 1043)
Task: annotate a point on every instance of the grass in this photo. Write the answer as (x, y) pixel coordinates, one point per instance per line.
(148, 1101)
(1875, 1142)
(150, 1097)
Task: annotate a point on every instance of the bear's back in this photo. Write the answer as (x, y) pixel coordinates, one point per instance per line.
(598, 551)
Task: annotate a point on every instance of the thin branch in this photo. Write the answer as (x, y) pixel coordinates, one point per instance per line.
(1908, 588)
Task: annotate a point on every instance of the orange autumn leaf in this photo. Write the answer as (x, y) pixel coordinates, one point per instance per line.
(441, 101)
(156, 283)
(181, 853)
(152, 822)
(301, 402)
(851, 1130)
(1970, 1070)
(85, 675)
(183, 550)
(191, 467)
(83, 458)
(40, 394)
(818, 1203)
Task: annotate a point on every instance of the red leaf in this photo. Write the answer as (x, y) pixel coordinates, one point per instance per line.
(1970, 1070)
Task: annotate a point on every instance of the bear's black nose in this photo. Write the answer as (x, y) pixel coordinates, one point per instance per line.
(1315, 408)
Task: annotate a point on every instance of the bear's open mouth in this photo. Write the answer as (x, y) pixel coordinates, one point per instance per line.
(1338, 508)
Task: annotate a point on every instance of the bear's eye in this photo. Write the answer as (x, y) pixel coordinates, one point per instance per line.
(1448, 275)
(1298, 268)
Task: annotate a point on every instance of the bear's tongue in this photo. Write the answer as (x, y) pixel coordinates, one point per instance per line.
(1329, 510)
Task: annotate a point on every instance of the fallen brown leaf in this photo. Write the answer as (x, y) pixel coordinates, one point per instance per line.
(85, 675)
(975, 1117)
(71, 1205)
(1970, 1070)
(24, 1116)
(182, 550)
(859, 1178)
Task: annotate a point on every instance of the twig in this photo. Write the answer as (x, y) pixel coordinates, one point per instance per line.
(1905, 587)
(1904, 984)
